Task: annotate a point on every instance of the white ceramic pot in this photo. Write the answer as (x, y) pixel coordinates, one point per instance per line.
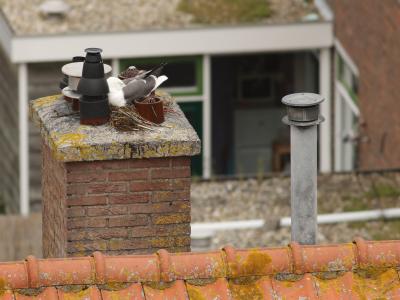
(74, 73)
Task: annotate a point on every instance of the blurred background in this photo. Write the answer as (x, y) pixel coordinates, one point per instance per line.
(229, 64)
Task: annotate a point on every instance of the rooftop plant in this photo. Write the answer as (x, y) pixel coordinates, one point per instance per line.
(226, 11)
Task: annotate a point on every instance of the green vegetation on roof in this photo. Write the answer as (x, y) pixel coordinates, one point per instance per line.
(226, 11)
(383, 190)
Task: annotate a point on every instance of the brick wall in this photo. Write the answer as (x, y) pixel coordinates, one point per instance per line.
(54, 230)
(119, 206)
(370, 32)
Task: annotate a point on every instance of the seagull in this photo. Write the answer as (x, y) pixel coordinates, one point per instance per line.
(156, 71)
(136, 89)
(115, 84)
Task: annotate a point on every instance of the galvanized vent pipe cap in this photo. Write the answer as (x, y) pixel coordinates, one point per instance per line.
(302, 99)
(302, 109)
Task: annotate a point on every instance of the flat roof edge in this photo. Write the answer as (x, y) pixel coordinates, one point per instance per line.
(217, 40)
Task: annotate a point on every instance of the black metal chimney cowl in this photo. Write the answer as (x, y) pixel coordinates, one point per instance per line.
(93, 87)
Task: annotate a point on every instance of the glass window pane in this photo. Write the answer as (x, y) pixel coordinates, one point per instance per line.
(256, 88)
(180, 73)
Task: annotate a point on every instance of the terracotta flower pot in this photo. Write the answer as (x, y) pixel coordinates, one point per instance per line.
(152, 111)
(75, 104)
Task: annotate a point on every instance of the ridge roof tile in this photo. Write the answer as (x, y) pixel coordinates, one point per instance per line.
(359, 270)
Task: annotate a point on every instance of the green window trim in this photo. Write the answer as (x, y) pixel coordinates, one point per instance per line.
(198, 88)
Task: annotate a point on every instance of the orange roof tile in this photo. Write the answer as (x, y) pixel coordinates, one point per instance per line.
(359, 270)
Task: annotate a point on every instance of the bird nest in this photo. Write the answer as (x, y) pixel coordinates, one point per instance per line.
(127, 118)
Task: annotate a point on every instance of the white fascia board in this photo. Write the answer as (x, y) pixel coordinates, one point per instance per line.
(6, 34)
(244, 39)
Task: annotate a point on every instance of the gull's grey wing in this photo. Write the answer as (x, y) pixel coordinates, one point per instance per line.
(138, 88)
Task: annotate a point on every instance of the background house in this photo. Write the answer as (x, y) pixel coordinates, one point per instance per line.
(367, 44)
(224, 72)
(233, 68)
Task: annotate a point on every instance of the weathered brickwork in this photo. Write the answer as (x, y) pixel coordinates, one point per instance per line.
(111, 191)
(54, 229)
(119, 206)
(370, 31)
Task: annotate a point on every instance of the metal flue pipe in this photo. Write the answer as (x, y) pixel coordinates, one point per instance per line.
(303, 117)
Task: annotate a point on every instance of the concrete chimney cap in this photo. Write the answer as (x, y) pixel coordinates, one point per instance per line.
(302, 99)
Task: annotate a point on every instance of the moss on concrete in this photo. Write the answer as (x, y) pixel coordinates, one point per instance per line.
(69, 141)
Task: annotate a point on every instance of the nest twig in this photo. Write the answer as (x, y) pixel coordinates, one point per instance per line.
(126, 118)
(168, 108)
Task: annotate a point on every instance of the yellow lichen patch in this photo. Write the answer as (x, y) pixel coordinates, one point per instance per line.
(87, 152)
(2, 286)
(245, 280)
(213, 290)
(84, 151)
(79, 295)
(254, 264)
(59, 156)
(375, 283)
(194, 293)
(45, 101)
(114, 286)
(326, 284)
(288, 284)
(370, 272)
(176, 149)
(159, 285)
(166, 149)
(250, 291)
(70, 139)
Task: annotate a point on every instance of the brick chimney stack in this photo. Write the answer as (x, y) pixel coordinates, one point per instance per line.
(110, 191)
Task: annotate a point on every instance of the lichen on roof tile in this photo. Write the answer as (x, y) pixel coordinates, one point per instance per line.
(70, 141)
(187, 275)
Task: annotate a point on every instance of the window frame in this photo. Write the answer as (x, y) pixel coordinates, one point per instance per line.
(196, 90)
(346, 109)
